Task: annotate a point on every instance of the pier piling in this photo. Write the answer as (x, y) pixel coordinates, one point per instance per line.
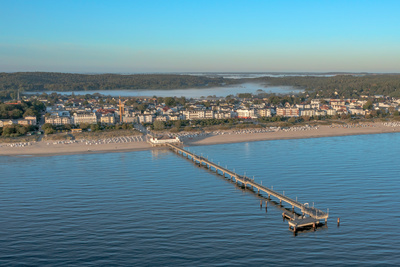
(315, 215)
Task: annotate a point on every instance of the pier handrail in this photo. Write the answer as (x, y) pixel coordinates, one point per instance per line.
(312, 212)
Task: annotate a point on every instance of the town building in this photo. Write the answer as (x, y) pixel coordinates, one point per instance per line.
(164, 140)
(107, 118)
(4, 123)
(129, 119)
(85, 117)
(31, 120)
(288, 112)
(145, 118)
(246, 113)
(198, 114)
(58, 120)
(265, 112)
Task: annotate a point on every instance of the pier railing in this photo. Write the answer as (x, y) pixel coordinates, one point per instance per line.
(246, 182)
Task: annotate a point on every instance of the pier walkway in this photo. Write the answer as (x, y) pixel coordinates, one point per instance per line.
(315, 215)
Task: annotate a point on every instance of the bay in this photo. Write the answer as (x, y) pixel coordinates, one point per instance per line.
(188, 93)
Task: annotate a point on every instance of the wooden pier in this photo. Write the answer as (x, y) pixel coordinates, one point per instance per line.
(315, 215)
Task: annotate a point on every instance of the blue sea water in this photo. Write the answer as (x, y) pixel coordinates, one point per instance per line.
(152, 208)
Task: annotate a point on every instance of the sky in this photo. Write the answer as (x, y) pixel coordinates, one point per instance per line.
(145, 36)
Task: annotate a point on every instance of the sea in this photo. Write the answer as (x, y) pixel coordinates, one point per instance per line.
(156, 208)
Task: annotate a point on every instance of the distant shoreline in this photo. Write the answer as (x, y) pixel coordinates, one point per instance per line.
(42, 149)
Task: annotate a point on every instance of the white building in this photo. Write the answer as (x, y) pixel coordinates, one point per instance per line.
(163, 140)
(5, 123)
(145, 118)
(331, 112)
(198, 114)
(108, 118)
(129, 119)
(288, 112)
(222, 115)
(58, 120)
(246, 113)
(266, 112)
(356, 111)
(86, 117)
(308, 112)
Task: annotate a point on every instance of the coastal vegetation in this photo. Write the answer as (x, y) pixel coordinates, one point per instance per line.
(341, 85)
(21, 109)
(345, 86)
(16, 130)
(50, 81)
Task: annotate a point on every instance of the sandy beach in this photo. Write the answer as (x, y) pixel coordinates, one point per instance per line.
(322, 131)
(223, 137)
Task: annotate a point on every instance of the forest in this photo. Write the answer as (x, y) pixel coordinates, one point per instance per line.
(347, 86)
(342, 85)
(49, 81)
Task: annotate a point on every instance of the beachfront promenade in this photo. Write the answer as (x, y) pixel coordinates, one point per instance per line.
(295, 222)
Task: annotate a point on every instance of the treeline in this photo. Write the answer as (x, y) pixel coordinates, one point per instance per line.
(8, 111)
(8, 95)
(52, 129)
(16, 130)
(348, 86)
(49, 81)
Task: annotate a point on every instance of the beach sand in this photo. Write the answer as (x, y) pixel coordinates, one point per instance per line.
(322, 131)
(42, 149)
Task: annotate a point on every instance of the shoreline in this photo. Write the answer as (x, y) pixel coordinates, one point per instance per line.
(42, 149)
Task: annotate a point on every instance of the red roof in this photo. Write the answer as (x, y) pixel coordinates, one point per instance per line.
(105, 111)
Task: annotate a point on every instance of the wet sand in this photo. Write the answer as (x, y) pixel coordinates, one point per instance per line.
(42, 149)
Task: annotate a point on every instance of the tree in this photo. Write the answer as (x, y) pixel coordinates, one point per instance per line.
(21, 130)
(368, 105)
(94, 127)
(159, 125)
(67, 127)
(16, 113)
(169, 101)
(29, 112)
(178, 124)
(49, 131)
(47, 126)
(181, 101)
(9, 130)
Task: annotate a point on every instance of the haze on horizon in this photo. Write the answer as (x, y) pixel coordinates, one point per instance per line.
(200, 36)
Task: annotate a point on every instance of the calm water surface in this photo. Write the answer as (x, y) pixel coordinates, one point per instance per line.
(155, 208)
(189, 93)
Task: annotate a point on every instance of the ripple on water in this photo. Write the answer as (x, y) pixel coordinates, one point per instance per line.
(156, 208)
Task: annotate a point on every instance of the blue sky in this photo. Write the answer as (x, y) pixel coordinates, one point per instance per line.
(196, 36)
